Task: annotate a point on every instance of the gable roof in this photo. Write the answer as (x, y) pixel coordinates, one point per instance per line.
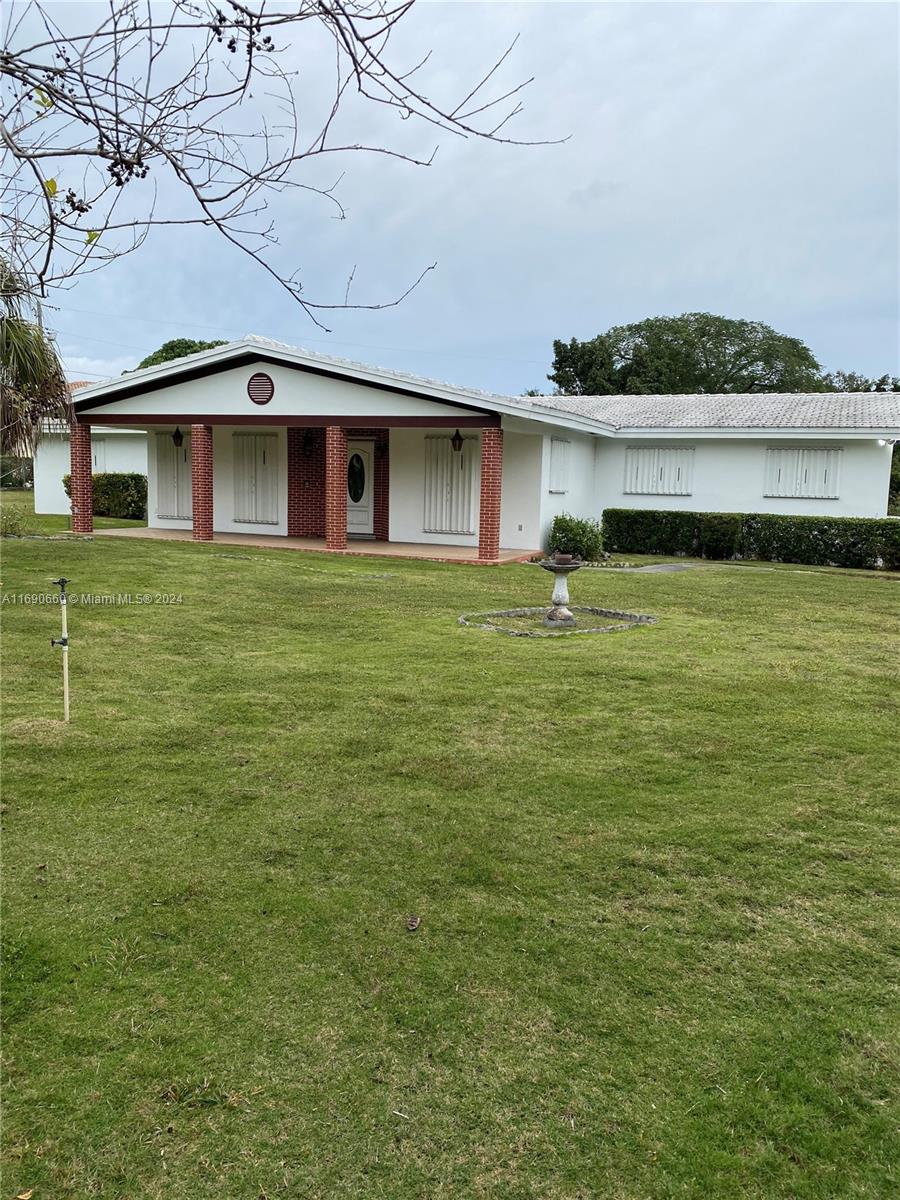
(253, 349)
(826, 413)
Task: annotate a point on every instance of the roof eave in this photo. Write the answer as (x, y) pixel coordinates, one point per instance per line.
(760, 431)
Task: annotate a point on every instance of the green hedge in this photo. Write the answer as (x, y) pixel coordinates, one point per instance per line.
(117, 495)
(575, 535)
(871, 542)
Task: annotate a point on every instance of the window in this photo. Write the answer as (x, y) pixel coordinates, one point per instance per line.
(658, 470)
(449, 486)
(559, 465)
(173, 477)
(800, 473)
(256, 478)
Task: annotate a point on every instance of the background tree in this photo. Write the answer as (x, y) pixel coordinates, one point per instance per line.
(176, 348)
(852, 381)
(696, 352)
(201, 97)
(33, 387)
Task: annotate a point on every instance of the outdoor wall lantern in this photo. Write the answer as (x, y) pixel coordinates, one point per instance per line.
(178, 438)
(457, 442)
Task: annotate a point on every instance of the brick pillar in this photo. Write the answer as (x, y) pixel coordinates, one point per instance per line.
(335, 488)
(306, 482)
(381, 484)
(491, 479)
(82, 483)
(202, 482)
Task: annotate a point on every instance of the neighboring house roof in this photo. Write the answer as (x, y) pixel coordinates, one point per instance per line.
(826, 413)
(75, 384)
(743, 411)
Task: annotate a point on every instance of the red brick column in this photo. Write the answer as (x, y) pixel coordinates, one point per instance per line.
(335, 488)
(306, 482)
(82, 484)
(202, 482)
(491, 479)
(381, 484)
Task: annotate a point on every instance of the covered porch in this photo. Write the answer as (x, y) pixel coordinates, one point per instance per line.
(266, 480)
(379, 549)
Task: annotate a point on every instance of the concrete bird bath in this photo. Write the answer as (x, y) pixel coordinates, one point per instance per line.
(558, 621)
(561, 567)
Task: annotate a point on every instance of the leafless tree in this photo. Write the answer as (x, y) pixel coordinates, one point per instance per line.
(94, 121)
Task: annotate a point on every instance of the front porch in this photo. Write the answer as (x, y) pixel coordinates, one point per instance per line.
(366, 548)
(313, 486)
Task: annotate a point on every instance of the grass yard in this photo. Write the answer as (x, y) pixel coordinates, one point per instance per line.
(22, 500)
(655, 870)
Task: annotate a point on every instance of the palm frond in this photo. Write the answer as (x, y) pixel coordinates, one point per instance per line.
(33, 387)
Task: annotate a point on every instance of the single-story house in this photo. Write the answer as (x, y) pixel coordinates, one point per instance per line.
(259, 438)
(121, 451)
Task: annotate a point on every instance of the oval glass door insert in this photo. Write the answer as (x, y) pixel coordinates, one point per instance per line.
(356, 478)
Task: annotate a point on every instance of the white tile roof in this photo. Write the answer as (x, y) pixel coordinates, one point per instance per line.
(792, 410)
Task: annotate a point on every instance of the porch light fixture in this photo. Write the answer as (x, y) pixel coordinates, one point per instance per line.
(178, 438)
(457, 442)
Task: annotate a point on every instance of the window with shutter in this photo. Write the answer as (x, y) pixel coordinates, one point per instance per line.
(173, 478)
(449, 486)
(559, 465)
(658, 470)
(802, 473)
(256, 478)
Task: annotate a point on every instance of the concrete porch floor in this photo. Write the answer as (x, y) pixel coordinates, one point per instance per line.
(457, 554)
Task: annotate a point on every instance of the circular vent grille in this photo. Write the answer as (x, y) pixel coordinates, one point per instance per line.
(260, 388)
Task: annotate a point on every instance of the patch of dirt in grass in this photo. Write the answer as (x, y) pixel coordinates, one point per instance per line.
(43, 730)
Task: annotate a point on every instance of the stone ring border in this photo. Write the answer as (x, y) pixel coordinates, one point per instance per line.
(628, 621)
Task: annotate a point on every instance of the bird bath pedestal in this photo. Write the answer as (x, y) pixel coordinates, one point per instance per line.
(561, 566)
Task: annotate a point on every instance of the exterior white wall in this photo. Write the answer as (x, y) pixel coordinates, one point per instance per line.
(520, 494)
(125, 452)
(580, 497)
(729, 476)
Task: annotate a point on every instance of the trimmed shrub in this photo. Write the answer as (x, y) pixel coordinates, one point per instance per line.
(720, 535)
(868, 542)
(576, 535)
(822, 541)
(650, 531)
(117, 495)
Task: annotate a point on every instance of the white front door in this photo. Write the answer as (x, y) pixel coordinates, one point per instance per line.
(256, 478)
(359, 489)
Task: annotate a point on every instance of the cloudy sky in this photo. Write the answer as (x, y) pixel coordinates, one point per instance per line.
(734, 158)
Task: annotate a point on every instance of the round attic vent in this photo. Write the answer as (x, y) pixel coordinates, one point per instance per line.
(260, 388)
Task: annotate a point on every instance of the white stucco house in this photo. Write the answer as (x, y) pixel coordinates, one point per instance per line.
(122, 451)
(259, 438)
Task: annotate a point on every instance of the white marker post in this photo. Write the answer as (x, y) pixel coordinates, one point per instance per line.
(63, 641)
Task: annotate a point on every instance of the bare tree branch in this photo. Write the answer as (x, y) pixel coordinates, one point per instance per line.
(92, 120)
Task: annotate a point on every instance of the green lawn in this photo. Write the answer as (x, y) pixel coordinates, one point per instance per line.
(656, 872)
(22, 499)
